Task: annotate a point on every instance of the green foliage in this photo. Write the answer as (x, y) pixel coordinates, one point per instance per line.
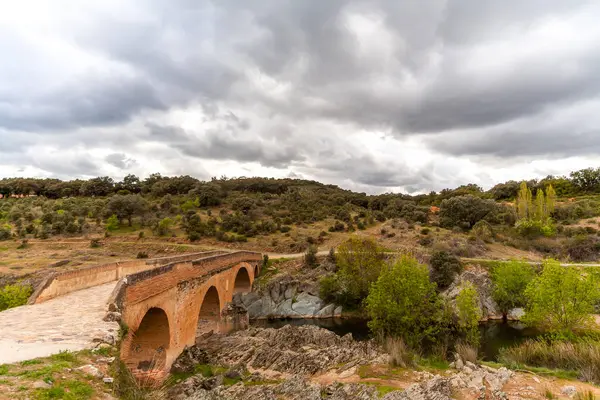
(164, 226)
(112, 223)
(330, 288)
(359, 263)
(483, 231)
(126, 207)
(561, 299)
(444, 267)
(14, 296)
(468, 313)
(5, 232)
(510, 280)
(465, 211)
(403, 303)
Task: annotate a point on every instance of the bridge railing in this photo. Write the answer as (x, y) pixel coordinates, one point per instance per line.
(61, 283)
(141, 285)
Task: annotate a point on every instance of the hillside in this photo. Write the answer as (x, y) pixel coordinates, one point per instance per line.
(74, 223)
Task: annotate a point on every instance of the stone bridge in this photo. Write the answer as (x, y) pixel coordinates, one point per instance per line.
(165, 309)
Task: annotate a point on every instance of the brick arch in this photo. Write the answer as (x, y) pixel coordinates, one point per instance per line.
(150, 341)
(209, 312)
(243, 280)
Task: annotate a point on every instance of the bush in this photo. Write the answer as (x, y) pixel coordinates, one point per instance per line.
(14, 296)
(561, 299)
(112, 223)
(465, 211)
(95, 243)
(531, 228)
(5, 232)
(425, 241)
(284, 229)
(142, 254)
(403, 303)
(468, 313)
(444, 268)
(359, 263)
(583, 248)
(310, 257)
(425, 231)
(483, 230)
(510, 280)
(329, 289)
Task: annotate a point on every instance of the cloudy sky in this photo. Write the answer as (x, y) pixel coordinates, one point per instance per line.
(374, 95)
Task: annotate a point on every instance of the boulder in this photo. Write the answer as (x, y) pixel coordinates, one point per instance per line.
(326, 311)
(516, 314)
(482, 282)
(306, 305)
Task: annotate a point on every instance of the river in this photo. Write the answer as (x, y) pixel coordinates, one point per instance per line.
(494, 334)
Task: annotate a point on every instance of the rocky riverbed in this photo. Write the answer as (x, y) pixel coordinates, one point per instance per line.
(308, 363)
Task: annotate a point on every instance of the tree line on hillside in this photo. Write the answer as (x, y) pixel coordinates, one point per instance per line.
(236, 209)
(585, 181)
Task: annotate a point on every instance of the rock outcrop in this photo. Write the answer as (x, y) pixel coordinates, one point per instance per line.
(286, 298)
(482, 282)
(304, 350)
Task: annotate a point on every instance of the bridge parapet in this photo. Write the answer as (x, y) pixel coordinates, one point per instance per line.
(169, 307)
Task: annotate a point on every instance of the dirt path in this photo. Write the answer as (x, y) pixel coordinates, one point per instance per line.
(70, 322)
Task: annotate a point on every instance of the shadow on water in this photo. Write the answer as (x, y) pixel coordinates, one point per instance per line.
(494, 334)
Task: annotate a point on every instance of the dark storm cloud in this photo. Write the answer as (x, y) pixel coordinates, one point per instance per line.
(288, 84)
(227, 144)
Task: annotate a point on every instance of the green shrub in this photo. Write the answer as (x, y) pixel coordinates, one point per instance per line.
(95, 243)
(359, 263)
(444, 267)
(510, 279)
(425, 231)
(403, 303)
(141, 254)
(561, 299)
(14, 296)
(468, 313)
(112, 223)
(5, 232)
(329, 289)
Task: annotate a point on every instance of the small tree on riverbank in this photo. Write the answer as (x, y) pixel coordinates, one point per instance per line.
(469, 313)
(561, 299)
(510, 281)
(404, 303)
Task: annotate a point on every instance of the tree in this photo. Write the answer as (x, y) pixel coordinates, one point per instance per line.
(126, 206)
(561, 299)
(587, 180)
(510, 279)
(112, 223)
(524, 202)
(359, 262)
(465, 211)
(444, 267)
(468, 312)
(101, 186)
(404, 303)
(131, 183)
(550, 199)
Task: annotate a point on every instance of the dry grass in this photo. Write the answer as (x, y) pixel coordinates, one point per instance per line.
(400, 354)
(467, 352)
(583, 357)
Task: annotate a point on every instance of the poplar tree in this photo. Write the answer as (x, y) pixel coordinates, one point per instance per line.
(524, 202)
(550, 199)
